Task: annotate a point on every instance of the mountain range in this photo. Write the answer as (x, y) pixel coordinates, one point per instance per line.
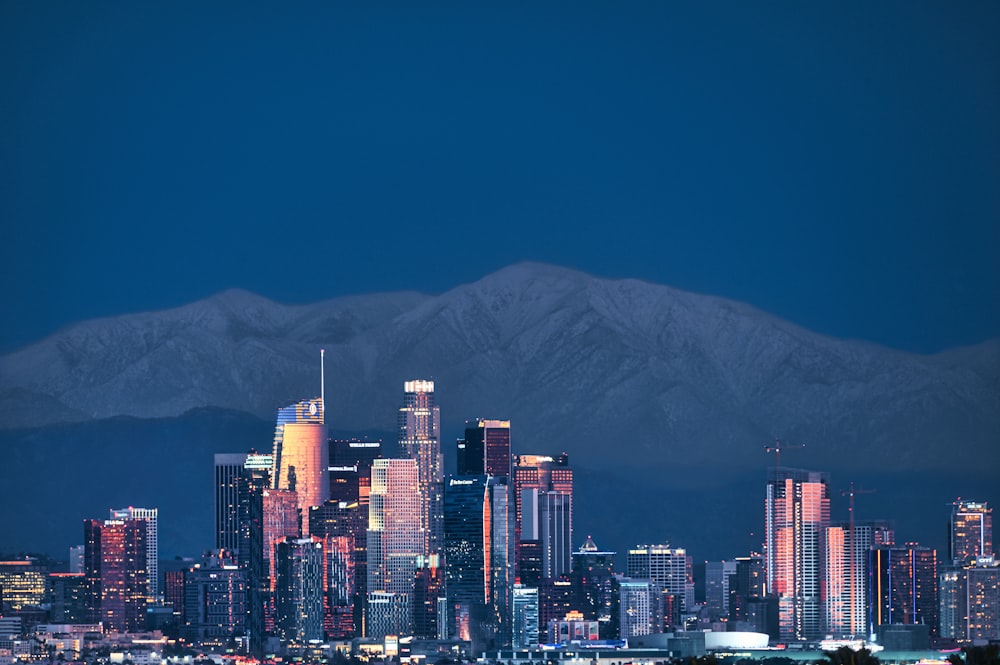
(642, 381)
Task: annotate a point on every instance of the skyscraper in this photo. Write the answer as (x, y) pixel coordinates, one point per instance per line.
(301, 455)
(149, 516)
(669, 568)
(299, 567)
(478, 547)
(902, 586)
(419, 425)
(115, 570)
(485, 449)
(971, 531)
(970, 601)
(796, 517)
(846, 584)
(228, 471)
(395, 538)
(547, 520)
(547, 474)
(215, 598)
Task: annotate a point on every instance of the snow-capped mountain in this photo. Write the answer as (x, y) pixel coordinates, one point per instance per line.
(646, 375)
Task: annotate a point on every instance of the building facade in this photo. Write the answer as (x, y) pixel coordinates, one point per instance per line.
(419, 425)
(796, 517)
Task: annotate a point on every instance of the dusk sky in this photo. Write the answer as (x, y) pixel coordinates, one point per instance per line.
(836, 164)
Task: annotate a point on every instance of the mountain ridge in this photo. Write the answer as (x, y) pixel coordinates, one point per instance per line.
(672, 377)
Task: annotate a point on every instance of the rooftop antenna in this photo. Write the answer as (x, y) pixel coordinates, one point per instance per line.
(322, 384)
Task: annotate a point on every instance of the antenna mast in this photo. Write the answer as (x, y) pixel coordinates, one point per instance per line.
(322, 383)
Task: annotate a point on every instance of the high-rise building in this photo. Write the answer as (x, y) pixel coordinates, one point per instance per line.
(485, 449)
(640, 609)
(395, 538)
(419, 426)
(299, 567)
(717, 578)
(22, 584)
(547, 519)
(846, 584)
(971, 531)
(351, 469)
(751, 608)
(546, 474)
(282, 520)
(341, 526)
(796, 517)
(669, 568)
(970, 601)
(149, 516)
(115, 570)
(215, 599)
(69, 597)
(479, 548)
(595, 588)
(902, 586)
(252, 551)
(228, 472)
(428, 590)
(301, 455)
(525, 624)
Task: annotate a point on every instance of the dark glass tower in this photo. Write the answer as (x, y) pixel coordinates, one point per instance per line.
(485, 449)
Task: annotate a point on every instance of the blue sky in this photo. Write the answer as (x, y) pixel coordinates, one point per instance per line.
(837, 164)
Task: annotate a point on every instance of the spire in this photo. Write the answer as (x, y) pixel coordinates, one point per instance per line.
(322, 385)
(589, 545)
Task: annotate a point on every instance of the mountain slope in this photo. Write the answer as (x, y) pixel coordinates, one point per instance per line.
(612, 371)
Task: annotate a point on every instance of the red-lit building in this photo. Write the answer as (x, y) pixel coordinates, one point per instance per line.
(116, 574)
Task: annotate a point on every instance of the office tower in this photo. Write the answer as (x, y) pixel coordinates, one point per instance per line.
(342, 526)
(351, 469)
(556, 599)
(796, 517)
(479, 548)
(845, 607)
(971, 531)
(902, 586)
(395, 539)
(970, 601)
(22, 584)
(547, 519)
(640, 609)
(301, 455)
(252, 552)
(750, 608)
(228, 472)
(428, 590)
(485, 449)
(419, 425)
(594, 587)
(670, 568)
(543, 473)
(299, 589)
(717, 578)
(148, 515)
(69, 597)
(282, 519)
(173, 593)
(525, 624)
(215, 599)
(115, 569)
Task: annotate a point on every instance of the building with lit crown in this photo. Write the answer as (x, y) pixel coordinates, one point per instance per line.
(485, 449)
(971, 533)
(419, 425)
(301, 454)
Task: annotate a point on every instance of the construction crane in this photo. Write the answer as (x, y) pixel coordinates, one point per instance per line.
(778, 447)
(851, 492)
